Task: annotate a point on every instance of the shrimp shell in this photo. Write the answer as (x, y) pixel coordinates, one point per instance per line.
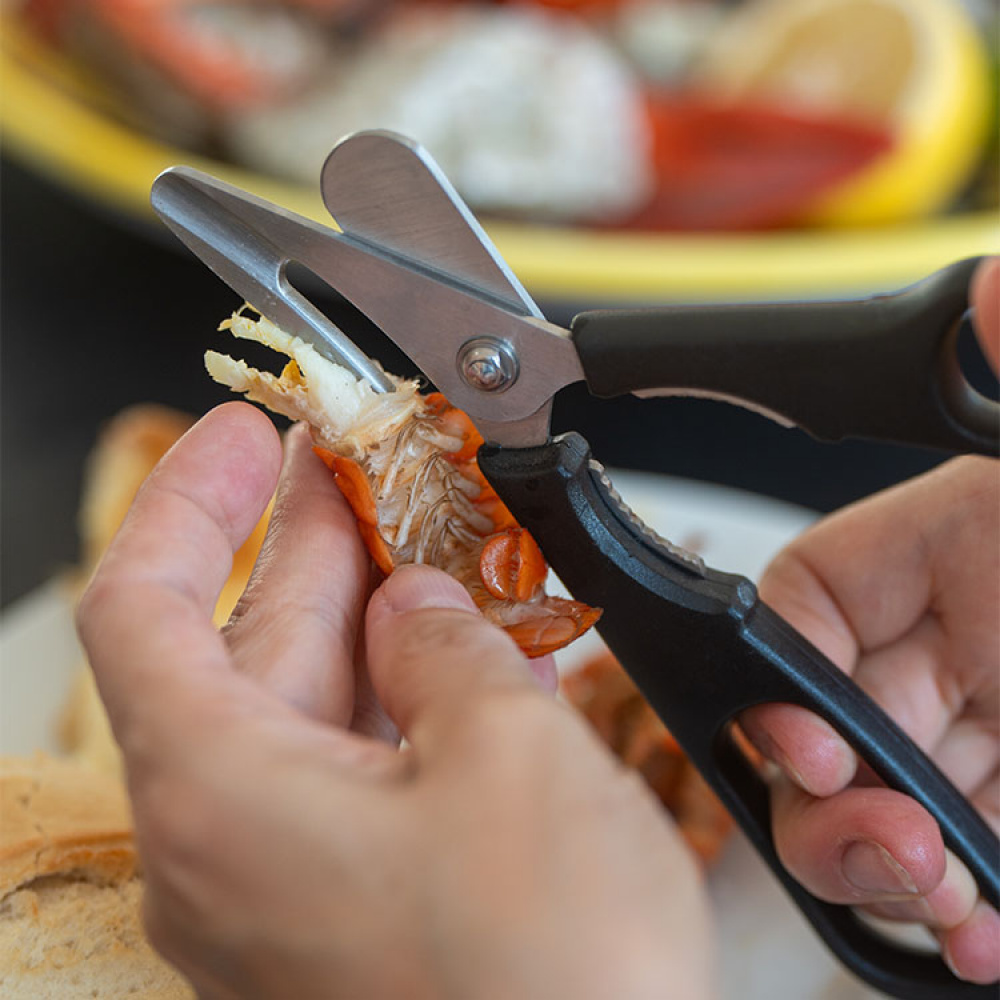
(406, 464)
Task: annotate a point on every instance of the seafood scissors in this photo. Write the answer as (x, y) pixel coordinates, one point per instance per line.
(410, 256)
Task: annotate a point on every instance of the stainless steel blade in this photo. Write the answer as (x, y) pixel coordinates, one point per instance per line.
(248, 244)
(431, 316)
(385, 188)
(429, 313)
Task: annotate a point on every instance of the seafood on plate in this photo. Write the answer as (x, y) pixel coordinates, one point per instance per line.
(406, 463)
(529, 110)
(526, 110)
(176, 67)
(649, 115)
(606, 696)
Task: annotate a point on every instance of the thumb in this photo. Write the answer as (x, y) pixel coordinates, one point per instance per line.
(432, 657)
(984, 296)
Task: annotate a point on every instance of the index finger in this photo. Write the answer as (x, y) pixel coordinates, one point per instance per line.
(146, 617)
(877, 584)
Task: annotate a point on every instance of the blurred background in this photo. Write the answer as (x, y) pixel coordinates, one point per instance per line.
(618, 151)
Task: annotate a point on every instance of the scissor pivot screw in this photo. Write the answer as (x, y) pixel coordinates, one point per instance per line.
(487, 364)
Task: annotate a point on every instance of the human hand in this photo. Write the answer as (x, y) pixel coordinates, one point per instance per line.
(903, 592)
(289, 847)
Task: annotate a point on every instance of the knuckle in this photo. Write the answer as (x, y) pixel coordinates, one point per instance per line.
(428, 632)
(789, 570)
(178, 937)
(99, 592)
(503, 713)
(526, 730)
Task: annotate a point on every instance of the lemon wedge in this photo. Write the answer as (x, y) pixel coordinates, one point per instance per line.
(917, 67)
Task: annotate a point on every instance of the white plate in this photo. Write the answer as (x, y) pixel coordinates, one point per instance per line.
(766, 949)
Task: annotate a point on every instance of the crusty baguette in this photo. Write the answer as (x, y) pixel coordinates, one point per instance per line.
(70, 892)
(68, 939)
(56, 817)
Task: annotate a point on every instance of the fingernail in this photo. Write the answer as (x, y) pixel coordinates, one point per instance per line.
(946, 957)
(871, 869)
(976, 941)
(767, 746)
(410, 588)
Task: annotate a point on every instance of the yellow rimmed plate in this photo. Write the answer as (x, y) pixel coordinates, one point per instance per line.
(54, 120)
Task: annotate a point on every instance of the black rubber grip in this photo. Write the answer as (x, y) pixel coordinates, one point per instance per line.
(883, 368)
(702, 647)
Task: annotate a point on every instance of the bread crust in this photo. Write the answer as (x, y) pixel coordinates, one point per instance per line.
(68, 940)
(70, 890)
(59, 817)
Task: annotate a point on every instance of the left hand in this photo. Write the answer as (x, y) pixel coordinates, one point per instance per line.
(289, 848)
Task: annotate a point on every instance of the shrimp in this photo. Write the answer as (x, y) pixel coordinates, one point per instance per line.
(222, 56)
(406, 464)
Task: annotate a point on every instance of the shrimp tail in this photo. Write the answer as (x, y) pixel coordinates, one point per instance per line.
(555, 623)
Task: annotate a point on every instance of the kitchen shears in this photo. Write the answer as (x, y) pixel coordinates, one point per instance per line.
(411, 257)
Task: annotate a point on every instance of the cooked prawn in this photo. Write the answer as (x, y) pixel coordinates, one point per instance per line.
(406, 463)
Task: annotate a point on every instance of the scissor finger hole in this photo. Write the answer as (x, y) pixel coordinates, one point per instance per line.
(969, 387)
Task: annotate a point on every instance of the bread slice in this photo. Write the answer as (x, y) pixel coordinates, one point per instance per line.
(59, 818)
(70, 892)
(68, 939)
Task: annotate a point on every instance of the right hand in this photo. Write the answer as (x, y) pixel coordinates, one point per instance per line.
(289, 848)
(902, 592)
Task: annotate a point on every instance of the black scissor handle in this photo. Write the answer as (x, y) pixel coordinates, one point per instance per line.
(702, 647)
(884, 367)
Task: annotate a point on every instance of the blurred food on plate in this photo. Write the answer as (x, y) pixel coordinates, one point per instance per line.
(505, 98)
(642, 114)
(70, 888)
(917, 69)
